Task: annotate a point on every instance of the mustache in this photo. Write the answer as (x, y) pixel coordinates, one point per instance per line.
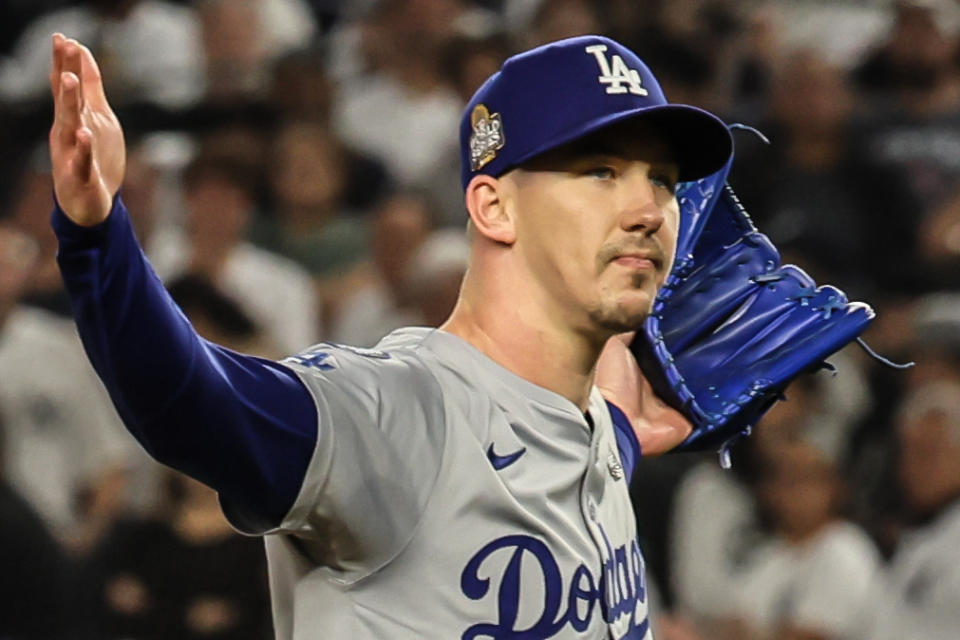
(648, 247)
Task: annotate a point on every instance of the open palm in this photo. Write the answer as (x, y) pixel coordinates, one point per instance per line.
(87, 149)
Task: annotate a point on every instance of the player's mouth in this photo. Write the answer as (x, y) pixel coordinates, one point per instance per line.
(641, 256)
(639, 260)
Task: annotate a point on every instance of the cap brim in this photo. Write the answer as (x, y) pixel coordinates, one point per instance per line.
(700, 141)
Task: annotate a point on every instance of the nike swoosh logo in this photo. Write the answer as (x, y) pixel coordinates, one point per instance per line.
(502, 462)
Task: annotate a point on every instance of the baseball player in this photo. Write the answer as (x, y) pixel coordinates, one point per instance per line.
(462, 482)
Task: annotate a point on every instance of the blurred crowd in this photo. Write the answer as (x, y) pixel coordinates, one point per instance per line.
(293, 177)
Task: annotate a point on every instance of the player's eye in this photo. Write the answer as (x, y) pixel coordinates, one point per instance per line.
(664, 181)
(603, 172)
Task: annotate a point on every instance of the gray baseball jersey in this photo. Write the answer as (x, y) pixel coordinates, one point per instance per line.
(449, 498)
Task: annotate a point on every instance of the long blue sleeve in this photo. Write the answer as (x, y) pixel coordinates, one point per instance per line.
(627, 443)
(243, 425)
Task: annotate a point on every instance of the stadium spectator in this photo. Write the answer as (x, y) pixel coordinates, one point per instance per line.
(242, 38)
(275, 291)
(399, 226)
(150, 51)
(403, 113)
(64, 447)
(308, 222)
(816, 195)
(913, 83)
(37, 577)
(919, 598)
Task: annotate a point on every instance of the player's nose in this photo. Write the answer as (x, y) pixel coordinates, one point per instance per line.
(640, 209)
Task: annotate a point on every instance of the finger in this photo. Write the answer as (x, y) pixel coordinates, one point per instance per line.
(68, 113)
(56, 65)
(72, 64)
(91, 79)
(83, 160)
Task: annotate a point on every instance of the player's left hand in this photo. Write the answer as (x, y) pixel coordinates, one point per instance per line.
(658, 426)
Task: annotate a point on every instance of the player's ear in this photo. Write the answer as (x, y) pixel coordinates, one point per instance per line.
(488, 209)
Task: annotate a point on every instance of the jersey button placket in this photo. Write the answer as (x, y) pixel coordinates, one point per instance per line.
(594, 486)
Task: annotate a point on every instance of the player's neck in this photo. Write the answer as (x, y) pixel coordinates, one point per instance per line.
(524, 339)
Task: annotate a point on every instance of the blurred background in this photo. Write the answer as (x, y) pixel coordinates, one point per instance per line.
(294, 177)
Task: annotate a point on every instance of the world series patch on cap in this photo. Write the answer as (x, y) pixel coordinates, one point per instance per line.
(551, 95)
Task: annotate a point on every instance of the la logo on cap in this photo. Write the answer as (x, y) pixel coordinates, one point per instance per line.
(615, 73)
(487, 137)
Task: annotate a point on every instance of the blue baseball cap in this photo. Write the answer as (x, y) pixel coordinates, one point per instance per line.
(551, 95)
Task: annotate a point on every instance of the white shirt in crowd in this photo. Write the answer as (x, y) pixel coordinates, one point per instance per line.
(59, 428)
(920, 599)
(156, 52)
(275, 292)
(713, 525)
(406, 131)
(824, 585)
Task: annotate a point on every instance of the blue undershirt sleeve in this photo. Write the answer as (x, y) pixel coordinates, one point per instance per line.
(245, 426)
(627, 443)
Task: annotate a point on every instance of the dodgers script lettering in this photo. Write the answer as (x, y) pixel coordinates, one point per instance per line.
(620, 589)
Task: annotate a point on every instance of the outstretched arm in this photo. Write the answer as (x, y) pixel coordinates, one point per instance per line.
(246, 427)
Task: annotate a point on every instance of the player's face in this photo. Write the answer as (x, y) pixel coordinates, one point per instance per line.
(597, 225)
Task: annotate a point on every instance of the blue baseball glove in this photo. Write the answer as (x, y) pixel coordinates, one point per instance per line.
(732, 326)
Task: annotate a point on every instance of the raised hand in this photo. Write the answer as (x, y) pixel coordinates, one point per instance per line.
(87, 150)
(658, 426)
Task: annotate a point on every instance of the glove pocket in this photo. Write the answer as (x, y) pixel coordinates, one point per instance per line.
(715, 292)
(735, 359)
